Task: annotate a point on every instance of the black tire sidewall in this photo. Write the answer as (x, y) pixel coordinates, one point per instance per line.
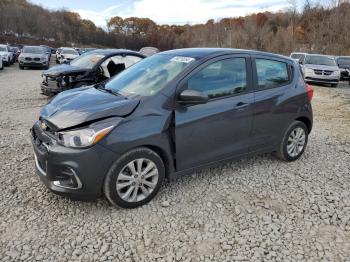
(293, 126)
(110, 189)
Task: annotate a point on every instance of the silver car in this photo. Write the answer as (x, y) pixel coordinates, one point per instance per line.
(33, 56)
(320, 69)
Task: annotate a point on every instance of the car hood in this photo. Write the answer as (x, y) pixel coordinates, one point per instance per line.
(69, 55)
(64, 69)
(32, 55)
(321, 67)
(78, 106)
(3, 53)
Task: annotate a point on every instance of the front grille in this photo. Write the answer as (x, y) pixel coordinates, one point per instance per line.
(36, 59)
(323, 72)
(28, 59)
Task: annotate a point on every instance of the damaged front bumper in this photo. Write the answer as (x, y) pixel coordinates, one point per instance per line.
(77, 173)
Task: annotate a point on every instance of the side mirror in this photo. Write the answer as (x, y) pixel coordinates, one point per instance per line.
(192, 97)
(301, 62)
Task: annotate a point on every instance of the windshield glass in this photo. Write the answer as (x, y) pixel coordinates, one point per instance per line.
(149, 76)
(69, 51)
(320, 60)
(344, 61)
(33, 50)
(87, 60)
(3, 49)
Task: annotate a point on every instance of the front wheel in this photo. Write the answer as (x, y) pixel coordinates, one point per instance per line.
(135, 178)
(294, 142)
(334, 85)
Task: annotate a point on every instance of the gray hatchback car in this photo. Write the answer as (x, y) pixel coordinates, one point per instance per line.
(168, 115)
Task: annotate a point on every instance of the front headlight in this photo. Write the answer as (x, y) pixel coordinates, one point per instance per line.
(88, 136)
(337, 72)
(309, 71)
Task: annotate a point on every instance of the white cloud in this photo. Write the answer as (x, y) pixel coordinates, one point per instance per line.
(182, 11)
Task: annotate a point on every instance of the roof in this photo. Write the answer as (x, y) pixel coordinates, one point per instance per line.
(113, 51)
(204, 52)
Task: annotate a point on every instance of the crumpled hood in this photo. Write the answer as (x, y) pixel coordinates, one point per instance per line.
(77, 106)
(321, 67)
(64, 69)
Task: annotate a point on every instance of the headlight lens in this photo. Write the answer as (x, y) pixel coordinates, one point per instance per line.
(308, 71)
(89, 136)
(337, 72)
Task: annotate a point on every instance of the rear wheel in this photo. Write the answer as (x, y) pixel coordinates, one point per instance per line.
(294, 142)
(135, 178)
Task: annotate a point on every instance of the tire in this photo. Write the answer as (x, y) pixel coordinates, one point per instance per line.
(334, 85)
(282, 152)
(21, 67)
(120, 170)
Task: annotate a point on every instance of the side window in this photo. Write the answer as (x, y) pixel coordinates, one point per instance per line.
(271, 73)
(222, 78)
(115, 64)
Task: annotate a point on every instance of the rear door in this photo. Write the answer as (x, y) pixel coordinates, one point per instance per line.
(220, 128)
(273, 106)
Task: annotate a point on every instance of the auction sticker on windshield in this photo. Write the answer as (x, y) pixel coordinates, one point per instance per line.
(182, 59)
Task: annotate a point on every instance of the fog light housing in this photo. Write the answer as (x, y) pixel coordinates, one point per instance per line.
(68, 179)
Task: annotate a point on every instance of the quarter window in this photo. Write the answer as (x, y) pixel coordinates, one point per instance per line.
(222, 78)
(271, 73)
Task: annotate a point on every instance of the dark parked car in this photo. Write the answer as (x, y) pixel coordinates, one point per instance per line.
(15, 52)
(90, 68)
(168, 115)
(344, 66)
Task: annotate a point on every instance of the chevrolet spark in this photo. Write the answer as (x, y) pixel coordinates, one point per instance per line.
(168, 115)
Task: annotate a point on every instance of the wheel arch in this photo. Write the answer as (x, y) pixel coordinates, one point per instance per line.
(306, 121)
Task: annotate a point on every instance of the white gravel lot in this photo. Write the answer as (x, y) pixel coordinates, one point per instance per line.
(255, 209)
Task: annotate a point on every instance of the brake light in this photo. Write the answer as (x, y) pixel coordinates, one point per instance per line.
(310, 92)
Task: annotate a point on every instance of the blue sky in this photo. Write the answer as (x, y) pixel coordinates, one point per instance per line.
(165, 11)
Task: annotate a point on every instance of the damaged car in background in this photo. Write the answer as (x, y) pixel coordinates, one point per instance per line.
(90, 68)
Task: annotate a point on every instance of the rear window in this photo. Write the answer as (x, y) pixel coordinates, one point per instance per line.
(271, 73)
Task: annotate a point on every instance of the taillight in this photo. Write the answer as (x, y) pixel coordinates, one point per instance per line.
(310, 92)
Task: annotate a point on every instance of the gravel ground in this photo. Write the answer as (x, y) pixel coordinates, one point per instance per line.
(253, 209)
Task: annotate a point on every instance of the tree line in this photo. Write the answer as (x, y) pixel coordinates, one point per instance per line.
(311, 28)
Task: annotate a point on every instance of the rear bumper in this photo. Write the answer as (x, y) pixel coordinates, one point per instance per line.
(77, 173)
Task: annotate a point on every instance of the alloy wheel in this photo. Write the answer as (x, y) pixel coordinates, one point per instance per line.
(296, 142)
(137, 180)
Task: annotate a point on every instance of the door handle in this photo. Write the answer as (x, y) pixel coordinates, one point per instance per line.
(241, 105)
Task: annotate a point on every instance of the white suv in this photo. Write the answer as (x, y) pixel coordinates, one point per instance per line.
(6, 54)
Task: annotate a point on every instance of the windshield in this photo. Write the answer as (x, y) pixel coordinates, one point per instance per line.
(3, 49)
(33, 50)
(148, 76)
(344, 61)
(320, 60)
(69, 51)
(87, 60)
(297, 56)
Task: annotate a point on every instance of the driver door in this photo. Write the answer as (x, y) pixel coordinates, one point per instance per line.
(221, 127)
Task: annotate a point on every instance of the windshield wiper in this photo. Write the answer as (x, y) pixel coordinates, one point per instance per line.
(102, 87)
